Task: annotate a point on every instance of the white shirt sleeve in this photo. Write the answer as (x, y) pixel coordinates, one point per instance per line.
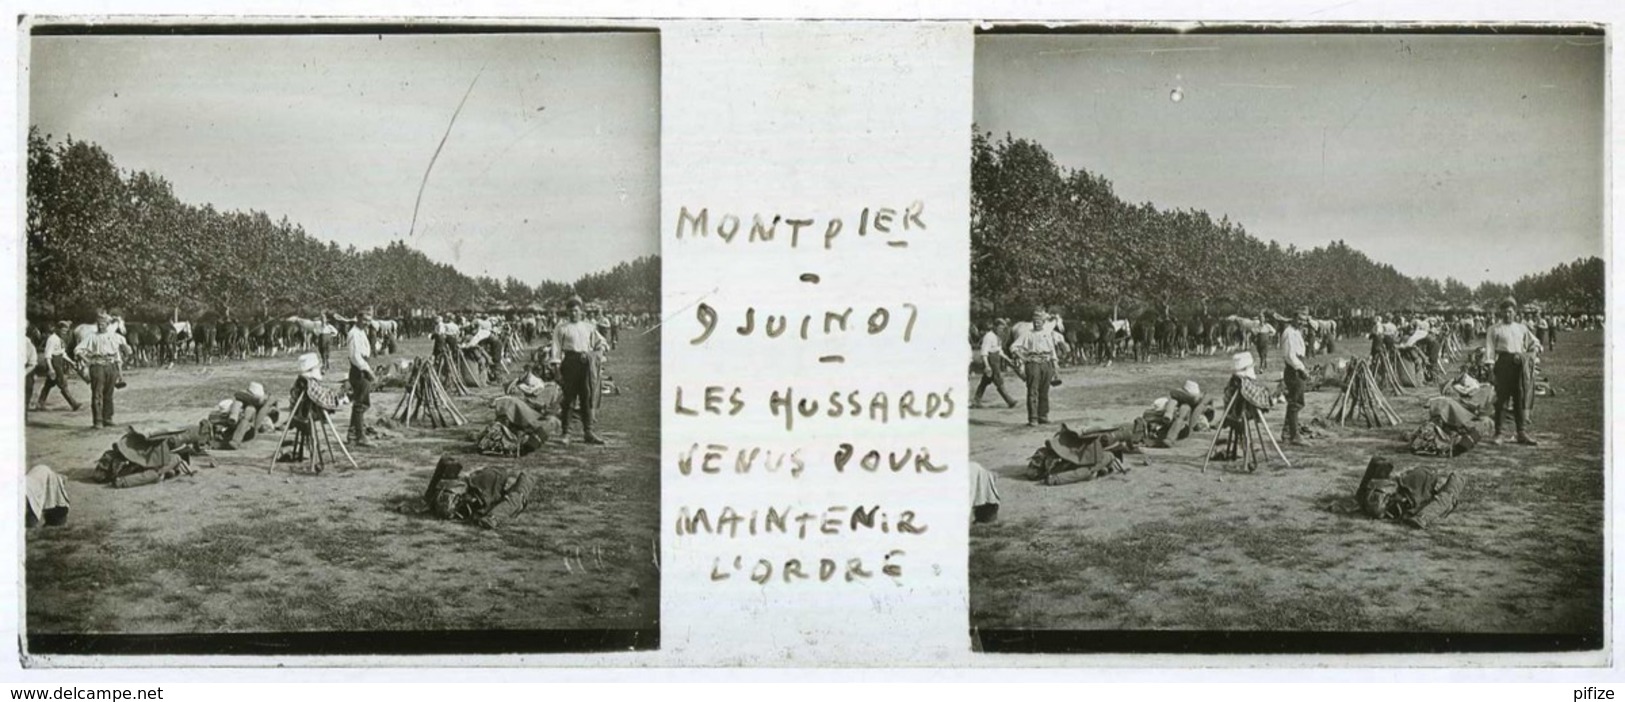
(990, 344)
(360, 350)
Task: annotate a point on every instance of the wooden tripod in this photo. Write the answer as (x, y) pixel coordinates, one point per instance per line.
(1249, 438)
(313, 438)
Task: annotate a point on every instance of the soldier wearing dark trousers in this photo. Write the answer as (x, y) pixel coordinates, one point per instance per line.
(1261, 344)
(56, 367)
(323, 341)
(1293, 373)
(361, 378)
(102, 352)
(993, 361)
(1038, 351)
(1512, 347)
(574, 343)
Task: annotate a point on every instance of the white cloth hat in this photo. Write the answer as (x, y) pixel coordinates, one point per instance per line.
(1192, 389)
(257, 390)
(310, 364)
(1241, 362)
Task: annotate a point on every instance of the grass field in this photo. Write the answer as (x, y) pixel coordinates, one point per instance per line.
(1167, 547)
(238, 549)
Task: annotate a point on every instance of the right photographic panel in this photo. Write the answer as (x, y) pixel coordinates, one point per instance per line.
(1288, 341)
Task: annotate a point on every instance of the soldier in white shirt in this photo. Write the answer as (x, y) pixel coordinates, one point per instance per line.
(1294, 373)
(361, 379)
(992, 365)
(1512, 348)
(1382, 335)
(326, 334)
(56, 367)
(1039, 352)
(102, 352)
(576, 344)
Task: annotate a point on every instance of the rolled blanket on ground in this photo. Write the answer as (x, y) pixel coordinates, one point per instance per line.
(1450, 411)
(525, 418)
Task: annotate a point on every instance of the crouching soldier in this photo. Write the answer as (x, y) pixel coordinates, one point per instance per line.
(245, 415)
(1171, 419)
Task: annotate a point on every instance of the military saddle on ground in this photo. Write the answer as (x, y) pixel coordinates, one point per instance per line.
(143, 458)
(1085, 455)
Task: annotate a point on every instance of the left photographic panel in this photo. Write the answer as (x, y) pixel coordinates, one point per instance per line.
(337, 339)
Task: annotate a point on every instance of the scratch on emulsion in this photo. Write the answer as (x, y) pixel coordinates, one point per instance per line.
(425, 182)
(685, 308)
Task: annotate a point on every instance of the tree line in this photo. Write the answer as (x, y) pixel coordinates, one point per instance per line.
(102, 238)
(1047, 235)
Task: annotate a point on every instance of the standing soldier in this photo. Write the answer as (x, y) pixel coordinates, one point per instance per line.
(1382, 336)
(361, 378)
(596, 314)
(575, 346)
(1261, 341)
(992, 365)
(1038, 351)
(30, 363)
(56, 367)
(442, 335)
(1511, 346)
(1293, 372)
(1542, 325)
(101, 352)
(326, 334)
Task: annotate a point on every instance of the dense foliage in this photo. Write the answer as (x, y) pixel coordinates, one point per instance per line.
(1570, 286)
(1043, 234)
(99, 237)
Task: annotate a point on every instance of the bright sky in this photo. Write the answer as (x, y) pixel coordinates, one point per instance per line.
(1478, 157)
(551, 169)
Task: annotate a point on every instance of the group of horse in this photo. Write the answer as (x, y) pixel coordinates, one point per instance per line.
(168, 342)
(1106, 340)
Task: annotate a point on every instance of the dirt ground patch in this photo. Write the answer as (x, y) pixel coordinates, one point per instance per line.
(1168, 547)
(238, 549)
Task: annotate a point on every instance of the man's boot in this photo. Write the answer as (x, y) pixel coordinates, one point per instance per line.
(358, 428)
(1525, 440)
(586, 428)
